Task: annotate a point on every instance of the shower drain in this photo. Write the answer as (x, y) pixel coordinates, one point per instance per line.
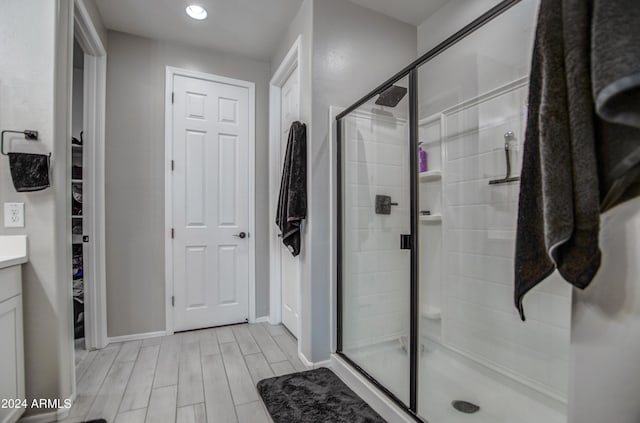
(465, 407)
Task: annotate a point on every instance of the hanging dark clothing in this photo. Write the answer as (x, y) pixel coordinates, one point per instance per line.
(292, 202)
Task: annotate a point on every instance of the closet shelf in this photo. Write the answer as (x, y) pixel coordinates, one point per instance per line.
(76, 239)
(431, 313)
(431, 175)
(431, 218)
(76, 216)
(76, 181)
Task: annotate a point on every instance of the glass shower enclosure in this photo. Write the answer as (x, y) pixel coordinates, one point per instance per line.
(428, 187)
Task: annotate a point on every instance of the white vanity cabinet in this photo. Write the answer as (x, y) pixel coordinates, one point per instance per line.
(11, 336)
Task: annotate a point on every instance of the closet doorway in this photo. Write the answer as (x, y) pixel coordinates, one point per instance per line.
(79, 264)
(87, 75)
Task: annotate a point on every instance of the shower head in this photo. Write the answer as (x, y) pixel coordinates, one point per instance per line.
(391, 96)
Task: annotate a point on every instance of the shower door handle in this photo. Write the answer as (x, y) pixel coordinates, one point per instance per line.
(406, 242)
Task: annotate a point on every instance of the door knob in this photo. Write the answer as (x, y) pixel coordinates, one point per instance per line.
(241, 235)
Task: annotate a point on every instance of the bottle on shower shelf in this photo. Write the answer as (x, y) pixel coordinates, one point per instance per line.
(422, 158)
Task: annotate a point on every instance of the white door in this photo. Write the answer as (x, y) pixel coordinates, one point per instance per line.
(289, 113)
(210, 203)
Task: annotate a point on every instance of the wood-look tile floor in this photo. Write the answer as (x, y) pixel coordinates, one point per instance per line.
(207, 376)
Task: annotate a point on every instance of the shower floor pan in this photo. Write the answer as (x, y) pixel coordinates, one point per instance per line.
(444, 378)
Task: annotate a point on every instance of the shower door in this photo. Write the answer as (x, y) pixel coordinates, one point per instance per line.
(375, 245)
(427, 203)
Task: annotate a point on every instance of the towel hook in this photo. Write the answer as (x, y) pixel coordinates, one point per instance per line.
(29, 134)
(507, 179)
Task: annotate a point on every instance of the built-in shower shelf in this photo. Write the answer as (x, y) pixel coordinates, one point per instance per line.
(431, 218)
(431, 175)
(431, 313)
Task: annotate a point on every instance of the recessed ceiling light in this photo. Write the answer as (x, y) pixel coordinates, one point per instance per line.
(196, 12)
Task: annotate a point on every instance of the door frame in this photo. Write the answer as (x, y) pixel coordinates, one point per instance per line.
(94, 116)
(171, 72)
(290, 64)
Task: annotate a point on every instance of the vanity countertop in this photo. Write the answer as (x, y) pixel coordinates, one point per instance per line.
(13, 250)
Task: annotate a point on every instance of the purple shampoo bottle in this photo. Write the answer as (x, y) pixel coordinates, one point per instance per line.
(422, 159)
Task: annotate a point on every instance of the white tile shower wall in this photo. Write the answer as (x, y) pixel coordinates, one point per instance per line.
(376, 283)
(479, 318)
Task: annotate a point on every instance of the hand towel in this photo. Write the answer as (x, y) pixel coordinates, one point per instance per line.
(30, 172)
(292, 202)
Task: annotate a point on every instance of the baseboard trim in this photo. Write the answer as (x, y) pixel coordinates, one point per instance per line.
(135, 337)
(368, 392)
(310, 364)
(263, 319)
(49, 416)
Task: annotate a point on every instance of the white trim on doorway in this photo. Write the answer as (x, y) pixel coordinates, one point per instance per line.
(290, 64)
(168, 191)
(95, 81)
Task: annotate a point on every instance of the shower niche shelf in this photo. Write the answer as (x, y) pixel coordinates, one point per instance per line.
(431, 312)
(430, 176)
(431, 218)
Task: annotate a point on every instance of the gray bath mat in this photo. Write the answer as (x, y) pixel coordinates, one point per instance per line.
(312, 397)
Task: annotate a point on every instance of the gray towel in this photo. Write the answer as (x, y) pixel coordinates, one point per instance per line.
(558, 216)
(616, 88)
(292, 202)
(579, 159)
(616, 60)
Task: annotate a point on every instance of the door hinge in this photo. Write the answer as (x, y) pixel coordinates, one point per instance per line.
(173, 301)
(173, 97)
(173, 165)
(173, 233)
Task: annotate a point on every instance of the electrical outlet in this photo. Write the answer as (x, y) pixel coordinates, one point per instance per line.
(14, 215)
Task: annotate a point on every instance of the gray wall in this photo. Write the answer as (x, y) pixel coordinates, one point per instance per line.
(35, 97)
(446, 21)
(135, 174)
(354, 50)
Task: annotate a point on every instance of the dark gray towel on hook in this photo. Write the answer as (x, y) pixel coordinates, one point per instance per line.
(616, 60)
(582, 144)
(29, 172)
(616, 88)
(292, 202)
(558, 216)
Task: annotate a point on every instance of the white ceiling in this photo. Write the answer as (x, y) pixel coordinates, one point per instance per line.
(410, 11)
(246, 27)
